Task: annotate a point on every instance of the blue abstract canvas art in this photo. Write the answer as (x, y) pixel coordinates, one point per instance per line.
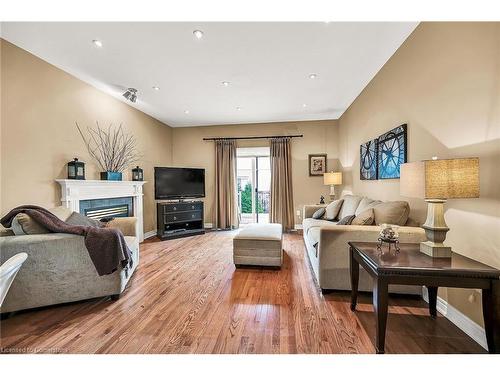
(391, 152)
(368, 160)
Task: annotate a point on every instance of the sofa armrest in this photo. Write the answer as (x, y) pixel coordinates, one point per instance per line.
(127, 225)
(309, 209)
(333, 241)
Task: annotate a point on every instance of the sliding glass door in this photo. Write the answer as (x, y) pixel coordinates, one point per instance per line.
(254, 183)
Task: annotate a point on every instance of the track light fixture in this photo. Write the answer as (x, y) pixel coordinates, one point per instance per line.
(131, 94)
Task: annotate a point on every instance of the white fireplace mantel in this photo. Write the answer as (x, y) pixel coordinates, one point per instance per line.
(74, 191)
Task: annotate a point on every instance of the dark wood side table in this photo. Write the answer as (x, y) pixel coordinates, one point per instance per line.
(411, 267)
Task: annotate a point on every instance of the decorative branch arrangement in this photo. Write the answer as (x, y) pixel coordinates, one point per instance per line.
(113, 149)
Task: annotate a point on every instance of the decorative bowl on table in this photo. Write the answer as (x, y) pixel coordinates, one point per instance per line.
(388, 234)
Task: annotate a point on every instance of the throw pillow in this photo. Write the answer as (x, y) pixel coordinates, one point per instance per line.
(346, 220)
(319, 213)
(23, 224)
(367, 217)
(77, 218)
(395, 213)
(332, 210)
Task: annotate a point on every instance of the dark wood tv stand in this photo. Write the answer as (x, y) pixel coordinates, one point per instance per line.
(179, 219)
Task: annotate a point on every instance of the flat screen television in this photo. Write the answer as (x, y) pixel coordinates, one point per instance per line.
(179, 183)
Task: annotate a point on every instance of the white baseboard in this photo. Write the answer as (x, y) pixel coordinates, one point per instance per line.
(471, 328)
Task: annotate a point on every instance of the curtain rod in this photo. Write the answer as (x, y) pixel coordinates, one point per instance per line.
(256, 137)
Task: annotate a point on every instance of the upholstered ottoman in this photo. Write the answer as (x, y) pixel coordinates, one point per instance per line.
(258, 245)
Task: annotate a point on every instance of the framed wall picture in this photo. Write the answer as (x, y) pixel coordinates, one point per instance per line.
(368, 156)
(392, 152)
(317, 164)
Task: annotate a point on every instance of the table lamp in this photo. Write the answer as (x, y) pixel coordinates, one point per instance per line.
(332, 179)
(436, 181)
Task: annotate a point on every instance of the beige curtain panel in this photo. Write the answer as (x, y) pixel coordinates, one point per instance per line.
(226, 201)
(281, 183)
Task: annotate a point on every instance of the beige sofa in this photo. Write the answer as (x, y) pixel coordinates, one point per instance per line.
(59, 268)
(327, 243)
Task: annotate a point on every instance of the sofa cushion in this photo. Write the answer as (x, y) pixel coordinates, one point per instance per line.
(346, 220)
(367, 217)
(351, 203)
(319, 213)
(365, 204)
(333, 209)
(395, 212)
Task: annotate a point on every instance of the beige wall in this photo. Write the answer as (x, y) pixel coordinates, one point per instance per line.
(444, 81)
(39, 107)
(189, 150)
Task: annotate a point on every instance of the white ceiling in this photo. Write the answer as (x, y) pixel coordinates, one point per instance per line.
(267, 64)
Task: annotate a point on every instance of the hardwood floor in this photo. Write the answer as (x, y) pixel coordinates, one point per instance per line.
(187, 297)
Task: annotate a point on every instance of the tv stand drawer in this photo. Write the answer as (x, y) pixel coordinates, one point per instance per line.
(182, 206)
(183, 216)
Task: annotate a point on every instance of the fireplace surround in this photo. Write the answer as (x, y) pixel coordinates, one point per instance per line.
(75, 195)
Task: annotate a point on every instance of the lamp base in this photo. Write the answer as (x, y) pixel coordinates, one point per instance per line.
(435, 230)
(435, 250)
(332, 193)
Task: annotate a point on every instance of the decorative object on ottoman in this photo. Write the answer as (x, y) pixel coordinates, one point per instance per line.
(388, 234)
(112, 148)
(322, 200)
(368, 154)
(435, 181)
(76, 170)
(317, 164)
(332, 179)
(391, 152)
(137, 174)
(259, 245)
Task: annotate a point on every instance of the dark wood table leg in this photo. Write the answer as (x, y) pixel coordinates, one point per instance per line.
(380, 305)
(354, 268)
(491, 314)
(432, 291)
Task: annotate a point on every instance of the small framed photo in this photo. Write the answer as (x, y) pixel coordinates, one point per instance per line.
(317, 164)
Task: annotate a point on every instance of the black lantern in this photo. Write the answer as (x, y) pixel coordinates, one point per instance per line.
(76, 170)
(137, 174)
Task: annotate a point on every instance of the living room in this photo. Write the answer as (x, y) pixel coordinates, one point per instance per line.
(318, 201)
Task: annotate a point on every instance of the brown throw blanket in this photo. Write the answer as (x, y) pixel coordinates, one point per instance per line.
(106, 246)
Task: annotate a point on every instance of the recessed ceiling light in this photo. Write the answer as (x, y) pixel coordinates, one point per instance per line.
(313, 75)
(186, 111)
(98, 43)
(198, 34)
(238, 108)
(225, 83)
(304, 105)
(156, 88)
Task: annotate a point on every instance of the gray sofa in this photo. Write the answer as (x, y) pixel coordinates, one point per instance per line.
(59, 269)
(327, 243)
